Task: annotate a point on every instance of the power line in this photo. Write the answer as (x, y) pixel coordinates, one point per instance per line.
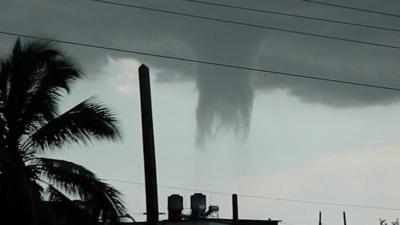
(352, 8)
(299, 221)
(321, 203)
(384, 45)
(171, 187)
(293, 15)
(212, 63)
(358, 218)
(308, 221)
(264, 197)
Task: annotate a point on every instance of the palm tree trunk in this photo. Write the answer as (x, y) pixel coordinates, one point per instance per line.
(17, 198)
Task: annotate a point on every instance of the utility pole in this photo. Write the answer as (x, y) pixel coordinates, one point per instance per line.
(344, 218)
(320, 218)
(150, 172)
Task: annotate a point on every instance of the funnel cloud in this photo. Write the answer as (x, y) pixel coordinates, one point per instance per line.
(226, 95)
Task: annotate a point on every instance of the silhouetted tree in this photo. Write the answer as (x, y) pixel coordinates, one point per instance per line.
(33, 78)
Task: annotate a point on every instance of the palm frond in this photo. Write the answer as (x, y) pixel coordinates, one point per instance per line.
(75, 212)
(33, 78)
(4, 90)
(55, 195)
(38, 190)
(54, 76)
(77, 180)
(31, 81)
(25, 65)
(83, 123)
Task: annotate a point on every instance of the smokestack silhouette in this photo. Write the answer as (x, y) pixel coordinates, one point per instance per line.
(148, 147)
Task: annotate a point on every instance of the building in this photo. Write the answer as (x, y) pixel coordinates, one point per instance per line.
(201, 216)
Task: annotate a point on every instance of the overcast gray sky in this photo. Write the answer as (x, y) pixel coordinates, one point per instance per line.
(232, 130)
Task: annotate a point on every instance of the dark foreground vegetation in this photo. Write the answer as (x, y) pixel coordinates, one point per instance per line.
(37, 190)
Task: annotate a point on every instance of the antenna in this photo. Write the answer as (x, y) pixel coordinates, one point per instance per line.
(320, 218)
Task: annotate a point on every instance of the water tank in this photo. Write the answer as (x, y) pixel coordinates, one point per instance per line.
(175, 207)
(198, 205)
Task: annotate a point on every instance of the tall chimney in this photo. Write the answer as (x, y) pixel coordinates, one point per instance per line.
(235, 211)
(148, 147)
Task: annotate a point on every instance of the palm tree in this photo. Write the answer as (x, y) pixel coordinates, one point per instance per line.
(33, 78)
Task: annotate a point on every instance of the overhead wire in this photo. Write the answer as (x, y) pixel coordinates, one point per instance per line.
(328, 219)
(204, 62)
(170, 187)
(308, 221)
(264, 11)
(257, 26)
(351, 8)
(201, 61)
(264, 197)
(358, 218)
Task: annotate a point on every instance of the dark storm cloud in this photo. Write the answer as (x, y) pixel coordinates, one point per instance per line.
(369, 65)
(226, 95)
